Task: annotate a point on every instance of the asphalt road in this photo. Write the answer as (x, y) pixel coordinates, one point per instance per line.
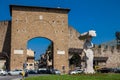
(8, 77)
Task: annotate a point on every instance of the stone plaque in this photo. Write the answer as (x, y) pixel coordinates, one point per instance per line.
(18, 51)
(60, 52)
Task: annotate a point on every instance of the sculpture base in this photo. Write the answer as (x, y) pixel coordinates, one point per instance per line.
(89, 71)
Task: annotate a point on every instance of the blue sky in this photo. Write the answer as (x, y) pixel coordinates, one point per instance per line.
(100, 15)
(39, 45)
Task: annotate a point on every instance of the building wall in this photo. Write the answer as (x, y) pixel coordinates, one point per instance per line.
(2, 63)
(30, 59)
(30, 53)
(30, 66)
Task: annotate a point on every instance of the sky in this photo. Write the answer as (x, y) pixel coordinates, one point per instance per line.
(39, 45)
(100, 15)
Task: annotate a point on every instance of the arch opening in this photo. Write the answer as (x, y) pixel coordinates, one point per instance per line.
(39, 53)
(75, 61)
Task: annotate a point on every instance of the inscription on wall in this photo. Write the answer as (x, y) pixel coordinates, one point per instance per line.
(60, 52)
(18, 51)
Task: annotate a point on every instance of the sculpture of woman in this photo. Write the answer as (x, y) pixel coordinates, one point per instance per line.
(87, 48)
(88, 45)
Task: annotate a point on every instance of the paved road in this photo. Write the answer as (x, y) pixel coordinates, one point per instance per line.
(19, 77)
(7, 77)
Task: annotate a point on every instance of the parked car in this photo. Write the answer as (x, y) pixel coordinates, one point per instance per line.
(78, 71)
(117, 70)
(104, 70)
(32, 72)
(15, 72)
(2, 72)
(42, 71)
(55, 71)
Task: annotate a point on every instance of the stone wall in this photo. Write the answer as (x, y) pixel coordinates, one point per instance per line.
(3, 31)
(111, 52)
(5, 40)
(74, 41)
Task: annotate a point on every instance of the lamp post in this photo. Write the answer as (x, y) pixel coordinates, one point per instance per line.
(24, 65)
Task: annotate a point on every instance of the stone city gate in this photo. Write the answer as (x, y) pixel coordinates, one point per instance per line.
(30, 22)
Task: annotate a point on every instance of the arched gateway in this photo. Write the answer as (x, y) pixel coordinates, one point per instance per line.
(29, 22)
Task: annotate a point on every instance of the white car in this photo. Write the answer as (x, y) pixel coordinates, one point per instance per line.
(57, 72)
(15, 72)
(76, 71)
(2, 72)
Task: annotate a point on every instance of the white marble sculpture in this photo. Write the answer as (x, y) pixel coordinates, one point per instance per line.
(87, 48)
